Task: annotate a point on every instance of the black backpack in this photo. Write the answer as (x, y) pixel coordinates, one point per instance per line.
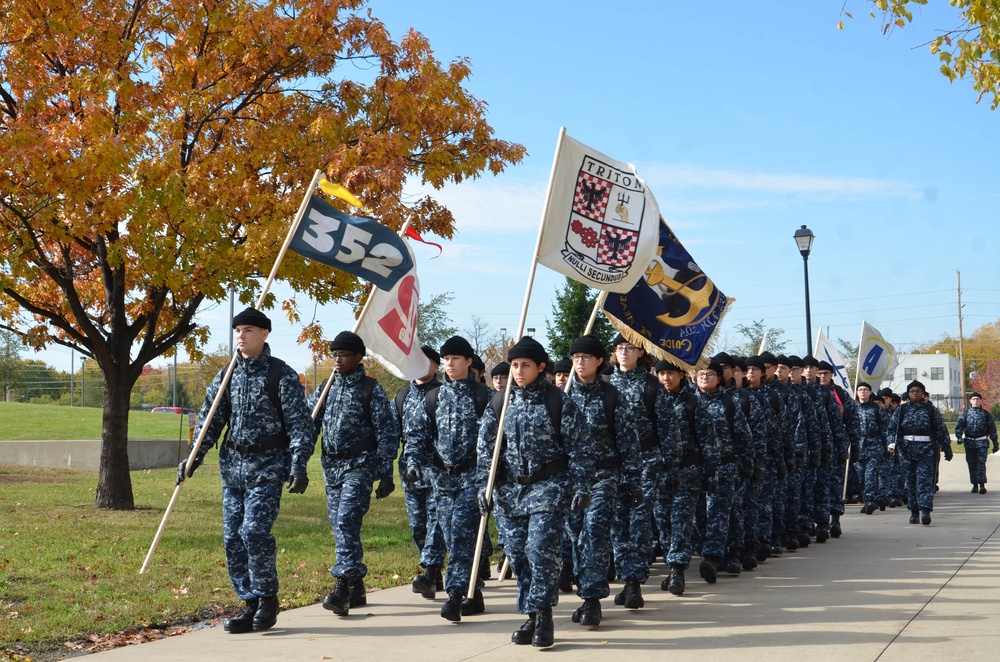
(553, 402)
(367, 390)
(481, 395)
(275, 367)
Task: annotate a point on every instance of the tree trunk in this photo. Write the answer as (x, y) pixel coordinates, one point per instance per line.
(114, 483)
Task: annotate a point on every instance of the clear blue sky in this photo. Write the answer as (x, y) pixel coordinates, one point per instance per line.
(747, 120)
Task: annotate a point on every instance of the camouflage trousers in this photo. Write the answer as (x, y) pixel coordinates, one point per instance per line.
(424, 528)
(919, 474)
(821, 494)
(533, 544)
(975, 456)
(793, 500)
(835, 487)
(348, 497)
(458, 516)
(777, 503)
(589, 532)
(752, 506)
(632, 540)
(251, 495)
(873, 478)
(718, 507)
(737, 513)
(855, 480)
(674, 512)
(807, 504)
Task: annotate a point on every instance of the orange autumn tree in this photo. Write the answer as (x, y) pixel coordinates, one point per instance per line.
(153, 154)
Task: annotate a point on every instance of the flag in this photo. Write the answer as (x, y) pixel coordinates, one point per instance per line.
(825, 351)
(674, 310)
(413, 234)
(389, 327)
(876, 358)
(600, 220)
(338, 191)
(763, 343)
(359, 246)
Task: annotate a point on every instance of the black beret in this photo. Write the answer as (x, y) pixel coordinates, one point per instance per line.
(564, 365)
(885, 392)
(619, 340)
(723, 358)
(253, 317)
(810, 362)
(477, 363)
(781, 359)
(500, 369)
(768, 357)
(663, 364)
(346, 340)
(457, 346)
(794, 361)
(825, 366)
(716, 368)
(865, 384)
(588, 345)
(975, 395)
(549, 370)
(754, 362)
(740, 362)
(916, 383)
(431, 354)
(527, 348)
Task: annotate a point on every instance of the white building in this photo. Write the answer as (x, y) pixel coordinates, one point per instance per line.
(939, 373)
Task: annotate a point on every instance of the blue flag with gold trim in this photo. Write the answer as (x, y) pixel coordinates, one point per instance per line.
(674, 310)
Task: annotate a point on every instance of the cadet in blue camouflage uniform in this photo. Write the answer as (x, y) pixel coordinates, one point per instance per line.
(264, 446)
(976, 428)
(797, 431)
(424, 528)
(830, 474)
(442, 443)
(359, 445)
(917, 431)
(846, 408)
(631, 528)
(874, 450)
(735, 439)
(615, 445)
(744, 541)
(770, 504)
(820, 445)
(690, 452)
(544, 472)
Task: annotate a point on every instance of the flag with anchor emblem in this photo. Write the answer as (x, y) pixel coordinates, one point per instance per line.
(599, 224)
(674, 310)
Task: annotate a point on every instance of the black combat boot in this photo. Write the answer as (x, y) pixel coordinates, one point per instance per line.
(633, 595)
(522, 636)
(242, 622)
(708, 570)
(451, 610)
(881, 503)
(925, 517)
(868, 508)
(544, 630)
(339, 601)
(566, 577)
(675, 582)
(590, 612)
(474, 606)
(822, 533)
(427, 583)
(267, 613)
(914, 517)
(835, 529)
(895, 502)
(804, 539)
(732, 564)
(485, 571)
(982, 488)
(975, 488)
(791, 542)
(763, 552)
(750, 557)
(358, 595)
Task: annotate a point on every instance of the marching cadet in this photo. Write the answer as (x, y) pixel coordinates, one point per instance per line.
(499, 375)
(613, 440)
(780, 458)
(831, 415)
(545, 471)
(978, 428)
(846, 408)
(441, 440)
(735, 438)
(563, 368)
(426, 533)
(632, 527)
(918, 433)
(744, 539)
(873, 452)
(690, 452)
(796, 428)
(360, 437)
(269, 439)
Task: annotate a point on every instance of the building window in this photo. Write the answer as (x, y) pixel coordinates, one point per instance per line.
(909, 373)
(937, 373)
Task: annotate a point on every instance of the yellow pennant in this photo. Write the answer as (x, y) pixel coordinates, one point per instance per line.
(338, 191)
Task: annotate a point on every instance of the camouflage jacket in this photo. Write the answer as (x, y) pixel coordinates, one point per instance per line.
(414, 400)
(681, 445)
(872, 427)
(531, 443)
(252, 417)
(919, 419)
(343, 423)
(735, 441)
(606, 444)
(976, 422)
(792, 422)
(632, 386)
(754, 457)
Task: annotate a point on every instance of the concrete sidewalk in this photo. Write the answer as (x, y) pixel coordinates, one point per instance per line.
(886, 590)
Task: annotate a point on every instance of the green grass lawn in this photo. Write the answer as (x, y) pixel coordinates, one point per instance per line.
(26, 422)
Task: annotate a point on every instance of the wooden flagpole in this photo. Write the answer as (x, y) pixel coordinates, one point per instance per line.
(491, 479)
(317, 175)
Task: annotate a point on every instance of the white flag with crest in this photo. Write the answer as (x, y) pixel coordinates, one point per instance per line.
(876, 358)
(825, 351)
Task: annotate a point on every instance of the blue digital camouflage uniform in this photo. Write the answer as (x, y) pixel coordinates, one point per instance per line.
(689, 455)
(424, 528)
(755, 463)
(734, 440)
(894, 473)
(445, 448)
(349, 473)
(830, 474)
(797, 439)
(918, 430)
(778, 456)
(252, 480)
(814, 501)
(632, 536)
(847, 408)
(976, 428)
(871, 459)
(534, 515)
(616, 453)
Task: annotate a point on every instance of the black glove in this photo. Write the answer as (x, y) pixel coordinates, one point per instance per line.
(298, 482)
(675, 483)
(854, 454)
(385, 487)
(827, 457)
(181, 473)
(758, 474)
(959, 440)
(996, 447)
(783, 470)
(637, 498)
(815, 463)
(713, 483)
(948, 454)
(580, 501)
(485, 504)
(412, 474)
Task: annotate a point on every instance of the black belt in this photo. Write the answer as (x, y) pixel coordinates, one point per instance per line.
(357, 448)
(548, 470)
(648, 442)
(271, 443)
(454, 470)
(610, 462)
(690, 459)
(726, 459)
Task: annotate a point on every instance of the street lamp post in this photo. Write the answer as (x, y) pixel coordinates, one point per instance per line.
(804, 240)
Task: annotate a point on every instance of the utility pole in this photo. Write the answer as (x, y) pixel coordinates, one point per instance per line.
(961, 342)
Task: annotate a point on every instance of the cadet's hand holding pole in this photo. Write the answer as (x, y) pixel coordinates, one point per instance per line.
(192, 461)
